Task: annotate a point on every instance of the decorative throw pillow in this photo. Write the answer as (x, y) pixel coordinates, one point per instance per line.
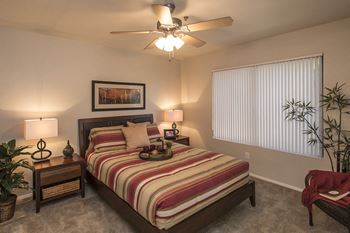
(136, 136)
(107, 138)
(152, 130)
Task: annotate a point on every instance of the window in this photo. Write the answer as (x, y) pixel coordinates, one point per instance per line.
(247, 104)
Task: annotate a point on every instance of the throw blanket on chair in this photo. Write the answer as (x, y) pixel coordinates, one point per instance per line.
(324, 181)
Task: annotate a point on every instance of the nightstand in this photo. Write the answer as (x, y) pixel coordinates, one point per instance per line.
(58, 177)
(181, 139)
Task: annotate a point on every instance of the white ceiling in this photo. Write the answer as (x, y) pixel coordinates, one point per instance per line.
(92, 20)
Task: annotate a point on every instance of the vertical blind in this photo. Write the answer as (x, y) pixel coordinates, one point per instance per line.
(247, 104)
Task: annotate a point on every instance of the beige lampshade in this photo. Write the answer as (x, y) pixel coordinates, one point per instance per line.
(173, 115)
(40, 128)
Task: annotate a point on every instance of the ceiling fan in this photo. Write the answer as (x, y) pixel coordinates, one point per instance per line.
(172, 33)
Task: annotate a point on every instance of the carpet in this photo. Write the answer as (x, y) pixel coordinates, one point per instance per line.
(278, 210)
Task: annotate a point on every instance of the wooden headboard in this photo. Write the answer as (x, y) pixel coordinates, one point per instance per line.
(85, 125)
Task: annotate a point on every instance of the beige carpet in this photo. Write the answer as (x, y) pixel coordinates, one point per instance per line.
(278, 210)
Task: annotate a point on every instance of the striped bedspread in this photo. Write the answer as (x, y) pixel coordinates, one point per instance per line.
(166, 192)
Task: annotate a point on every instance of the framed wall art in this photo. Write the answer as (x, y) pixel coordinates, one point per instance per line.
(111, 96)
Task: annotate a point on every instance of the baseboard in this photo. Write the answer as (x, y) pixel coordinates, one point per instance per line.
(24, 198)
(276, 182)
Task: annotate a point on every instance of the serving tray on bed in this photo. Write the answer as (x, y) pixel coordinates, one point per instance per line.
(156, 157)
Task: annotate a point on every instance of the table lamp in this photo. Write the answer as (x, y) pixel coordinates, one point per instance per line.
(39, 129)
(174, 116)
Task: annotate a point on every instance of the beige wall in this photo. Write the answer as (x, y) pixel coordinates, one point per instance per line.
(45, 76)
(331, 39)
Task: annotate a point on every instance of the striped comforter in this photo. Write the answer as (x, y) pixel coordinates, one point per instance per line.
(167, 192)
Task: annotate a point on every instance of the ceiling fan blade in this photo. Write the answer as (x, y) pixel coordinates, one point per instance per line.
(209, 24)
(136, 32)
(191, 40)
(163, 13)
(152, 44)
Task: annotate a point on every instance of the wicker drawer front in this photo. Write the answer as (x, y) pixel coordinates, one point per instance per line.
(60, 174)
(60, 189)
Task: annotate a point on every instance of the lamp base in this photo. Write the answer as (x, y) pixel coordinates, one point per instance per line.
(40, 161)
(38, 155)
(174, 128)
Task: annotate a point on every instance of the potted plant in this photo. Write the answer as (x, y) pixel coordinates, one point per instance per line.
(9, 179)
(334, 139)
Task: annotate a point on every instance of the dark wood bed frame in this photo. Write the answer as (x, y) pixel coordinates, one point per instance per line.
(193, 223)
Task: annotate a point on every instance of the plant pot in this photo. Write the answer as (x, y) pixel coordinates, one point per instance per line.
(7, 208)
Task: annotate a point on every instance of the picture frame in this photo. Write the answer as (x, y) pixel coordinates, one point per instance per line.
(169, 134)
(117, 96)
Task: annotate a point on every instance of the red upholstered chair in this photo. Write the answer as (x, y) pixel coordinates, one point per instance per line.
(342, 215)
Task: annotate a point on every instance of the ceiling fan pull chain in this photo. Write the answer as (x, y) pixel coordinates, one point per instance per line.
(171, 55)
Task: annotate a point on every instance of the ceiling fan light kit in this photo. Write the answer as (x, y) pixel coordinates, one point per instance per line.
(168, 43)
(173, 33)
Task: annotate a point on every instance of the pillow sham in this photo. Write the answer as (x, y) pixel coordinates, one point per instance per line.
(136, 136)
(152, 130)
(107, 138)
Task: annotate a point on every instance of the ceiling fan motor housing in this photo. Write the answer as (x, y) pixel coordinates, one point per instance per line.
(177, 23)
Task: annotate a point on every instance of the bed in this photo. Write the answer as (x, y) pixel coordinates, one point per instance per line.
(156, 196)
